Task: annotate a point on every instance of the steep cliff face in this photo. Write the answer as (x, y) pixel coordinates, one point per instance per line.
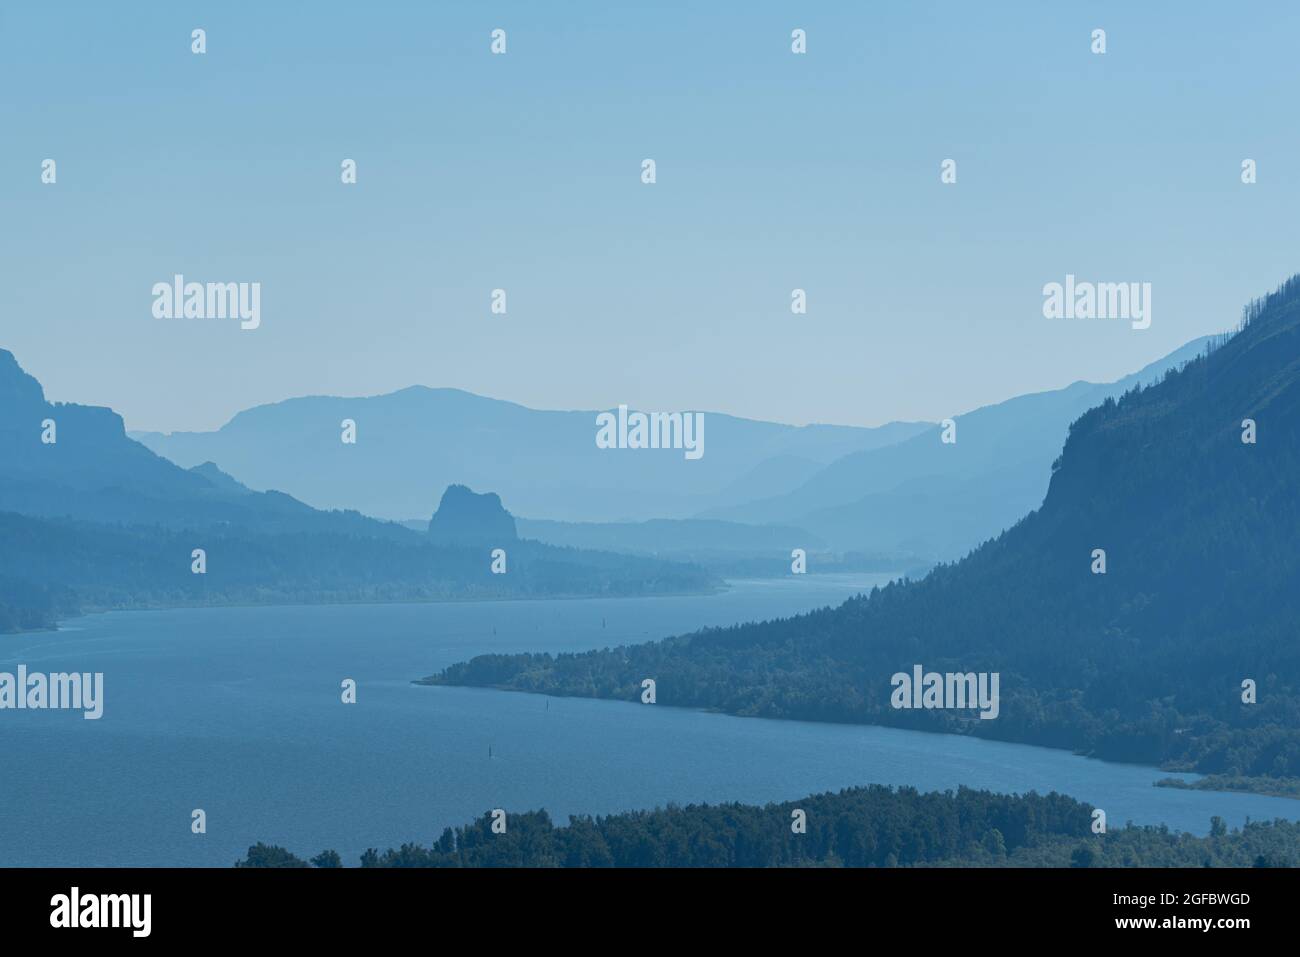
(18, 390)
(467, 518)
(73, 446)
(1127, 617)
(90, 518)
(63, 460)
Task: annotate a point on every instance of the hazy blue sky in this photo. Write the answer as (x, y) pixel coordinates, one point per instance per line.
(522, 171)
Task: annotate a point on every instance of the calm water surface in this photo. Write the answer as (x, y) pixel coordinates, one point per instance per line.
(237, 711)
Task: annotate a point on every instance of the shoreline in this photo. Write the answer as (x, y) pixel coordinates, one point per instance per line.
(1286, 788)
(726, 586)
(1258, 785)
(190, 606)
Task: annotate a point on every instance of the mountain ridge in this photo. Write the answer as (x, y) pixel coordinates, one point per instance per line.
(92, 519)
(940, 500)
(545, 462)
(1144, 661)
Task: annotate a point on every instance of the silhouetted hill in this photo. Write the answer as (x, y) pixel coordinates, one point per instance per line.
(1144, 663)
(91, 519)
(91, 471)
(466, 518)
(546, 464)
(220, 479)
(921, 496)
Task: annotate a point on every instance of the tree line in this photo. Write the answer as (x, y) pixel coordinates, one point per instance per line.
(873, 826)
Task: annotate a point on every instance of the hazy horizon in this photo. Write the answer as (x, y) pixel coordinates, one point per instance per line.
(643, 437)
(775, 172)
(133, 427)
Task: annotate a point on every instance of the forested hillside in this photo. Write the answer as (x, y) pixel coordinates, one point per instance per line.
(101, 566)
(1146, 662)
(90, 519)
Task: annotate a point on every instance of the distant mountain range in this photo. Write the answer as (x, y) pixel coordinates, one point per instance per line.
(91, 519)
(82, 466)
(924, 497)
(1146, 612)
(895, 492)
(413, 443)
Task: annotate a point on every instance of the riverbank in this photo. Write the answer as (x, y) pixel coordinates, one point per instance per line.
(1272, 787)
(232, 709)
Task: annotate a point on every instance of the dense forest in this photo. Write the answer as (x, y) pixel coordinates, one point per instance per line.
(123, 566)
(861, 827)
(1144, 662)
(28, 607)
